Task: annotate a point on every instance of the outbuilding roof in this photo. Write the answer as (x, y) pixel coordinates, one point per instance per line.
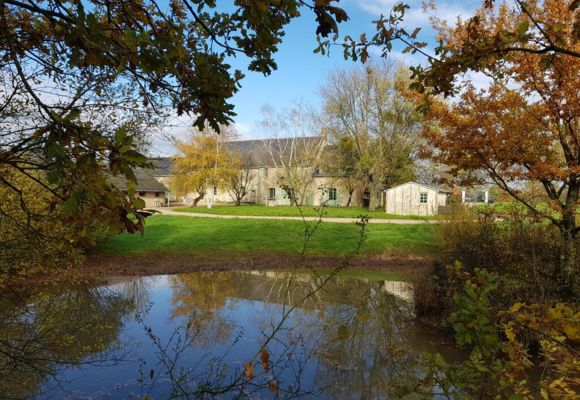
(145, 182)
(432, 187)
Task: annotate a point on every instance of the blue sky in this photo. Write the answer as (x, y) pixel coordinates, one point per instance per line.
(301, 72)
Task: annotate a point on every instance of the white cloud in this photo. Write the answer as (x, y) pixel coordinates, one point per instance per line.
(244, 130)
(405, 58)
(477, 79)
(162, 138)
(444, 11)
(416, 16)
(375, 7)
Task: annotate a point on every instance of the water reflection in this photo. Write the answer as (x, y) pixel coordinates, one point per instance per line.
(42, 334)
(212, 334)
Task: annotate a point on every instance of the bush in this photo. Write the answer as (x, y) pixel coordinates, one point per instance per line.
(523, 250)
(434, 292)
(34, 236)
(500, 364)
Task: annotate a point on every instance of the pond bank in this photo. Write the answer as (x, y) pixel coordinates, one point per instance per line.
(167, 264)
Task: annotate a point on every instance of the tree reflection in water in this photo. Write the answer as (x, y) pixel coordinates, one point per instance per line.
(324, 336)
(211, 335)
(43, 333)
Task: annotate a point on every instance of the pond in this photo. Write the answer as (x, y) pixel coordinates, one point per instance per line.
(251, 334)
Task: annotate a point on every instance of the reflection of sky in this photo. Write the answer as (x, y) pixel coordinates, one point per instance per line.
(303, 333)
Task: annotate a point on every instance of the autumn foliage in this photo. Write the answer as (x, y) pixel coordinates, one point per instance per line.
(524, 128)
(203, 164)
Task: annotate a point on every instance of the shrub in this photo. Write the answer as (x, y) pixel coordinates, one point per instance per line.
(500, 364)
(34, 236)
(523, 250)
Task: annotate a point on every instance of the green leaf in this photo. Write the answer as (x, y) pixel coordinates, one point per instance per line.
(71, 205)
(130, 39)
(522, 28)
(139, 203)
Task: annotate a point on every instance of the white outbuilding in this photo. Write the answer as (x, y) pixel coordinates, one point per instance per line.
(414, 198)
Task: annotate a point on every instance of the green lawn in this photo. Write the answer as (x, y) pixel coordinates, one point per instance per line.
(287, 211)
(175, 235)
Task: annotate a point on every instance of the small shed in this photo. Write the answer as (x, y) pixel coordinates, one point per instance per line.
(414, 198)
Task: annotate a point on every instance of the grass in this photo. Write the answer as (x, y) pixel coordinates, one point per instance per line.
(287, 211)
(181, 236)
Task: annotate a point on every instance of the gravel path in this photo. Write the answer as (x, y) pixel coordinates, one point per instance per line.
(168, 211)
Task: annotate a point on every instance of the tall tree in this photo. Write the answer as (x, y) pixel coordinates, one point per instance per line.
(530, 28)
(525, 127)
(241, 177)
(294, 148)
(340, 161)
(368, 107)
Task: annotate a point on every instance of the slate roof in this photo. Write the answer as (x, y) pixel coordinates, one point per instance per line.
(145, 182)
(254, 152)
(160, 166)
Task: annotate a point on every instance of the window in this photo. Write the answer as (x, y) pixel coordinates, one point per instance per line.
(272, 194)
(423, 197)
(157, 194)
(332, 194)
(141, 194)
(215, 190)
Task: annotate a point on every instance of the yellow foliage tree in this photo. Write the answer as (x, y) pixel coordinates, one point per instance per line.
(203, 166)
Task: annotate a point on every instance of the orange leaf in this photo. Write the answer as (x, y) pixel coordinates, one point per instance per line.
(249, 370)
(273, 387)
(265, 358)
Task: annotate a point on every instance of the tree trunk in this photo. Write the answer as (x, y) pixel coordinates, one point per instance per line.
(291, 196)
(568, 251)
(198, 199)
(372, 200)
(210, 200)
(302, 197)
(350, 192)
(238, 200)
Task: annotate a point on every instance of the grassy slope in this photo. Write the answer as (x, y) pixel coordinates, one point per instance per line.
(206, 236)
(287, 211)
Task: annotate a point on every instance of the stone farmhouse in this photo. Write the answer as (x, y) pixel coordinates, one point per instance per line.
(272, 164)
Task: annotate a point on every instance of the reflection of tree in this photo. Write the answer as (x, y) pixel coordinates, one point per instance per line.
(352, 336)
(366, 348)
(200, 297)
(360, 333)
(43, 332)
(136, 289)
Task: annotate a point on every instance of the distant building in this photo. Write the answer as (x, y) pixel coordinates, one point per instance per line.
(414, 198)
(476, 195)
(161, 170)
(149, 189)
(263, 158)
